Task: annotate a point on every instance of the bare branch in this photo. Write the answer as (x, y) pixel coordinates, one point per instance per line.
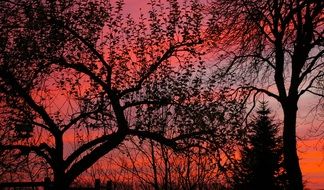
(310, 85)
(315, 93)
(270, 94)
(310, 68)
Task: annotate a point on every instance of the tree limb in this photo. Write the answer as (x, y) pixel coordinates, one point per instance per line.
(146, 102)
(167, 54)
(25, 150)
(10, 79)
(69, 160)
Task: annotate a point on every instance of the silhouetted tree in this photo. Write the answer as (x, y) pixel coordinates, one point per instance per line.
(261, 158)
(84, 69)
(274, 43)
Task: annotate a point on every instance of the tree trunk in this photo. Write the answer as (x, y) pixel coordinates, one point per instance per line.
(291, 160)
(60, 181)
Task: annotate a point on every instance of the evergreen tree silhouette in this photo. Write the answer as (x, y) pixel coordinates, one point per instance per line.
(261, 158)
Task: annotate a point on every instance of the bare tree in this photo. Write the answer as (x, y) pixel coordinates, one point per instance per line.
(277, 48)
(154, 166)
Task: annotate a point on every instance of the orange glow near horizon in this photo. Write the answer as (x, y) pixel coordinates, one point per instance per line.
(311, 159)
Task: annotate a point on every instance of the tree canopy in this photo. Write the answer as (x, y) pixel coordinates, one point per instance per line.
(88, 70)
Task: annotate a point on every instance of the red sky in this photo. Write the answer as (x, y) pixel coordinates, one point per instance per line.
(311, 153)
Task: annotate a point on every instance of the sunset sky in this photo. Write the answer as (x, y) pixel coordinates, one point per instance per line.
(311, 151)
(312, 163)
(115, 89)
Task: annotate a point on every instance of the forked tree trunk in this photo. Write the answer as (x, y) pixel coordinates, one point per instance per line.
(290, 146)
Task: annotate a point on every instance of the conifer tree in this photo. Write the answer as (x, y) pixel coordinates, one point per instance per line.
(261, 158)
